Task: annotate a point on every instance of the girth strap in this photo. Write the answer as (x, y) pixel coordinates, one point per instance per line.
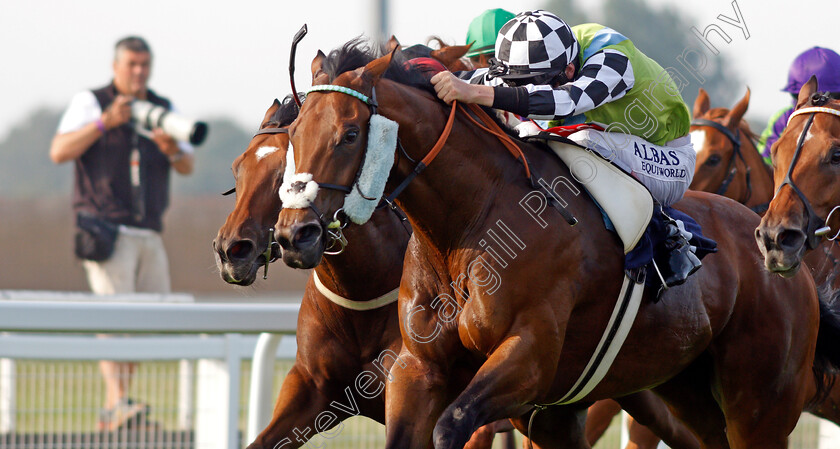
(623, 316)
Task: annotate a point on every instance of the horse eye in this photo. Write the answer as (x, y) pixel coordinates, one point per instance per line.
(713, 160)
(835, 156)
(350, 136)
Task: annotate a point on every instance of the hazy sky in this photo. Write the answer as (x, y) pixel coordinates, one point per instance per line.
(231, 58)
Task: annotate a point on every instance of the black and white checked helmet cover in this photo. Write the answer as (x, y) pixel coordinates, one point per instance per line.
(536, 42)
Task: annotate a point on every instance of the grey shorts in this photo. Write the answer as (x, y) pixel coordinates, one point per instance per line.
(138, 265)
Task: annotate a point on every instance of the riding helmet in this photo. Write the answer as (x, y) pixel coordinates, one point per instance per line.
(822, 62)
(483, 30)
(535, 43)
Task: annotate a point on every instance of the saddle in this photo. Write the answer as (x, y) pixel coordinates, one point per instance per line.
(662, 238)
(627, 203)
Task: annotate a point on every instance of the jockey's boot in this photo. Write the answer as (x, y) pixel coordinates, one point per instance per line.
(674, 260)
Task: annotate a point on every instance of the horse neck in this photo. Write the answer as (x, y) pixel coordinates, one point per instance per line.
(761, 175)
(371, 264)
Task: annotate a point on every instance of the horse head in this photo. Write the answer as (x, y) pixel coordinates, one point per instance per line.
(718, 135)
(807, 165)
(244, 242)
(451, 56)
(330, 142)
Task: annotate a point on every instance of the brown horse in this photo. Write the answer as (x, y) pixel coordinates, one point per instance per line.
(497, 314)
(336, 346)
(807, 160)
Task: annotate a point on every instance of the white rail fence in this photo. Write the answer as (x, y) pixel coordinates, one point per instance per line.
(39, 327)
(207, 341)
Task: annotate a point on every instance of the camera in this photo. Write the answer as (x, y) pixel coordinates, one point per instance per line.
(148, 116)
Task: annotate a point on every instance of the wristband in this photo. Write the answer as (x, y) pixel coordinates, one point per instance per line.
(176, 157)
(100, 125)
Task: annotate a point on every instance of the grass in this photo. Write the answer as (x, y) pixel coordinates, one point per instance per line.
(65, 397)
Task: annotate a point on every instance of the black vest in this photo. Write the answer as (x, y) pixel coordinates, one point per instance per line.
(102, 181)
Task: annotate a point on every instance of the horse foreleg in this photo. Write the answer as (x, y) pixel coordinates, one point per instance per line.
(640, 437)
(689, 396)
(414, 398)
(483, 437)
(653, 421)
(598, 419)
(504, 386)
(294, 414)
(763, 397)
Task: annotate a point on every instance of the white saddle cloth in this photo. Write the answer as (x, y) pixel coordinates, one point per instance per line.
(626, 201)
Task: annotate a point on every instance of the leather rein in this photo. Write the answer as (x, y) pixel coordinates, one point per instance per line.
(731, 168)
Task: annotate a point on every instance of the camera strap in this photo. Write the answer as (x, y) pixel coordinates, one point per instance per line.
(138, 200)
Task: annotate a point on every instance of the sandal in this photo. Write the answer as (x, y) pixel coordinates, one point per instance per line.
(125, 413)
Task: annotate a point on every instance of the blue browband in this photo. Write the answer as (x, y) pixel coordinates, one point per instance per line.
(345, 90)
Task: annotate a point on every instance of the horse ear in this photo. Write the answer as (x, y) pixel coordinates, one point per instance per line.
(317, 63)
(449, 54)
(392, 44)
(733, 118)
(701, 104)
(807, 90)
(376, 68)
(271, 110)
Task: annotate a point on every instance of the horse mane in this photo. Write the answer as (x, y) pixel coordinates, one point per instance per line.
(417, 51)
(438, 39)
(357, 53)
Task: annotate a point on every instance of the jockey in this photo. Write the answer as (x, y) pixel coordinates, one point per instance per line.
(482, 35)
(823, 63)
(545, 69)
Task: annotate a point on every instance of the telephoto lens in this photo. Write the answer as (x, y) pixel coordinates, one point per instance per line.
(150, 116)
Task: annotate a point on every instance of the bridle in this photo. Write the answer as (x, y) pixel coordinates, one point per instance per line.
(731, 169)
(272, 250)
(815, 227)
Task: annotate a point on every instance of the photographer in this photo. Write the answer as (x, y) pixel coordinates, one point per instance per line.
(121, 190)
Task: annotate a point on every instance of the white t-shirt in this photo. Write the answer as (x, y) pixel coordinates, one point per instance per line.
(85, 109)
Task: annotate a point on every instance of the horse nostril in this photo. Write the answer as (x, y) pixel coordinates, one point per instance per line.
(240, 249)
(217, 248)
(283, 241)
(763, 239)
(306, 236)
(790, 239)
